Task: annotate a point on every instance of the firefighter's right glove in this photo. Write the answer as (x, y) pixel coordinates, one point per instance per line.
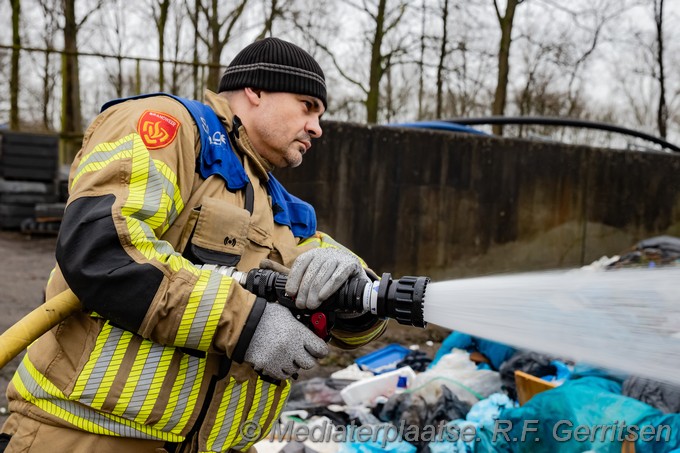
(281, 345)
(318, 273)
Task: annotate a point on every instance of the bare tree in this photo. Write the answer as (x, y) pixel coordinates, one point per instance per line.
(273, 10)
(114, 25)
(662, 110)
(71, 115)
(50, 11)
(218, 33)
(442, 56)
(14, 72)
(384, 21)
(159, 12)
(179, 73)
(506, 22)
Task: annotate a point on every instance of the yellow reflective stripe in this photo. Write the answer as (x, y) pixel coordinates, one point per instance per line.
(171, 189)
(203, 311)
(363, 339)
(217, 431)
(133, 378)
(153, 375)
(94, 382)
(184, 396)
(38, 390)
(250, 417)
(190, 393)
(145, 241)
(153, 201)
(235, 416)
(174, 397)
(102, 155)
(285, 392)
(259, 410)
(267, 409)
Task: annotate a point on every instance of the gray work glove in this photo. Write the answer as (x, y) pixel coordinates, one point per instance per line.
(281, 345)
(320, 272)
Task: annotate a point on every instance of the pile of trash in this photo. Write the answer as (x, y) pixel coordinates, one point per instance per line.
(471, 397)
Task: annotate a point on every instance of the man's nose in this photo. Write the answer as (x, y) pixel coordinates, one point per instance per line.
(313, 128)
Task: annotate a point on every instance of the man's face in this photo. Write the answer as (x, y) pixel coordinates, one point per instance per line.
(284, 125)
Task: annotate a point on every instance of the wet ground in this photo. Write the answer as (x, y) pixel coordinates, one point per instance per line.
(25, 263)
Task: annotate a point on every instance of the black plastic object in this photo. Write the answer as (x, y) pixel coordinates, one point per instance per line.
(401, 299)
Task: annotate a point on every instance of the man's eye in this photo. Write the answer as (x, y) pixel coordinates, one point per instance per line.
(308, 105)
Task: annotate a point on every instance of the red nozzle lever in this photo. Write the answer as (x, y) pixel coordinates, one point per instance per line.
(320, 325)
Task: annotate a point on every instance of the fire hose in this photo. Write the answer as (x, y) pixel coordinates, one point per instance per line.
(401, 300)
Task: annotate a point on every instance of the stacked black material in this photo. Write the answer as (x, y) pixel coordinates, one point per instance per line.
(28, 174)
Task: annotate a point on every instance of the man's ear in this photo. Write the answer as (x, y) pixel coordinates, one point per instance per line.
(253, 95)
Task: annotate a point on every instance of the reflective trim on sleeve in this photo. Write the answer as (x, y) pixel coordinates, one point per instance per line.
(184, 395)
(144, 381)
(353, 340)
(203, 311)
(143, 384)
(36, 389)
(95, 380)
(229, 416)
(268, 401)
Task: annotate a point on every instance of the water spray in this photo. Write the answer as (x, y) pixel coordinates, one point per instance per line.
(625, 319)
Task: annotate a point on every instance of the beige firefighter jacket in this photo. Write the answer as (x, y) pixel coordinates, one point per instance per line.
(158, 351)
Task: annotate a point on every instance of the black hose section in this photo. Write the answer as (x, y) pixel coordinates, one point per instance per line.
(565, 122)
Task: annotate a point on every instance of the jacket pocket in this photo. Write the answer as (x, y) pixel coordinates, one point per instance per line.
(221, 233)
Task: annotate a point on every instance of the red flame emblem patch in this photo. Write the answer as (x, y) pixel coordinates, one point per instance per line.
(157, 129)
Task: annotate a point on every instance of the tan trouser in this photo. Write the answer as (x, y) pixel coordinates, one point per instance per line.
(30, 435)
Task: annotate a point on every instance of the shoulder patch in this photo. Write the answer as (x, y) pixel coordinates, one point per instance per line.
(157, 129)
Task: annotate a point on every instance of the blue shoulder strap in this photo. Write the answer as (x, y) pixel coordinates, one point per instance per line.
(218, 158)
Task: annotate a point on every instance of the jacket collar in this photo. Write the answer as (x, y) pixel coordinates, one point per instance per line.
(237, 133)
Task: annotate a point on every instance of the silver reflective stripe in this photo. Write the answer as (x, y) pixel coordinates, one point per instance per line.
(169, 188)
(103, 156)
(189, 381)
(144, 383)
(257, 417)
(203, 311)
(152, 192)
(73, 411)
(161, 247)
(103, 362)
(229, 416)
(156, 184)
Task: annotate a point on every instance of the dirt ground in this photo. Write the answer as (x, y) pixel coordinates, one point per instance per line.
(25, 263)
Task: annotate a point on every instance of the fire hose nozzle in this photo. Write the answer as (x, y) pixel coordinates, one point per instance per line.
(401, 300)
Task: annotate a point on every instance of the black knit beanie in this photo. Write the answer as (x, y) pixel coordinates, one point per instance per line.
(275, 65)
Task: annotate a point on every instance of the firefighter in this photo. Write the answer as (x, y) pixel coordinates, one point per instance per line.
(169, 354)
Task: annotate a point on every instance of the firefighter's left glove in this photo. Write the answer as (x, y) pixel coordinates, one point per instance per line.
(281, 345)
(318, 273)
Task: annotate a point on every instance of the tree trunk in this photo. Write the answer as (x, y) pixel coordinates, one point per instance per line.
(503, 61)
(269, 21)
(215, 48)
(373, 98)
(442, 59)
(662, 110)
(71, 119)
(161, 20)
(14, 75)
(195, 75)
(421, 64)
(46, 93)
